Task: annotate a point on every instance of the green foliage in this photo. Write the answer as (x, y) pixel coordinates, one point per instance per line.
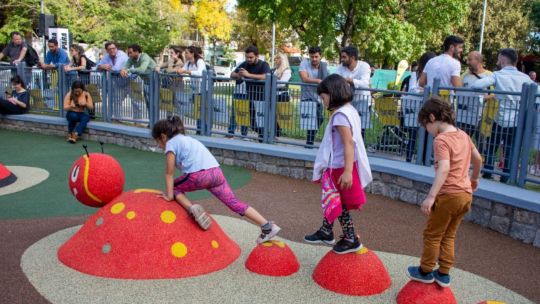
(150, 23)
(507, 25)
(385, 30)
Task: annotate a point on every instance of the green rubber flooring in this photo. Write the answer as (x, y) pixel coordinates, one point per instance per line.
(52, 197)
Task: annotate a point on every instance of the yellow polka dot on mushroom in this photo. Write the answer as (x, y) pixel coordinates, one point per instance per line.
(117, 208)
(179, 250)
(215, 244)
(130, 215)
(267, 244)
(362, 250)
(279, 244)
(168, 217)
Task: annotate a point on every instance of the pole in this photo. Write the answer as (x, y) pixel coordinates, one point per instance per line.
(273, 42)
(482, 27)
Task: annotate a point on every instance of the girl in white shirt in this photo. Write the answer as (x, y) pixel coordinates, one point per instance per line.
(201, 171)
(341, 163)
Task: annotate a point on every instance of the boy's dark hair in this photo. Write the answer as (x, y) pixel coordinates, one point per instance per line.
(339, 90)
(109, 43)
(53, 41)
(17, 80)
(441, 110)
(451, 40)
(171, 126)
(511, 54)
(252, 49)
(137, 48)
(351, 51)
(314, 50)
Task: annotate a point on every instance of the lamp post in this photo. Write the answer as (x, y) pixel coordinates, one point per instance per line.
(482, 27)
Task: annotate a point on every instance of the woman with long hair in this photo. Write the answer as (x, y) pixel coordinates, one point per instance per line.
(282, 71)
(17, 100)
(194, 66)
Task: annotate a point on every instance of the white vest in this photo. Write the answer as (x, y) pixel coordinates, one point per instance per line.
(325, 150)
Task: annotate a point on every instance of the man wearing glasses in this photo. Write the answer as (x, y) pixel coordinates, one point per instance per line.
(114, 61)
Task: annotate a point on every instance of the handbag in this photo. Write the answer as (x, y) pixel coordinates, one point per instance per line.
(331, 199)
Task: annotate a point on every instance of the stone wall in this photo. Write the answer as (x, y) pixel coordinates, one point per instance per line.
(519, 224)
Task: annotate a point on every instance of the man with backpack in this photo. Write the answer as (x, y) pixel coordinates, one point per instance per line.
(15, 50)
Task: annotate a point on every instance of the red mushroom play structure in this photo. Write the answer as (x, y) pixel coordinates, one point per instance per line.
(6, 177)
(138, 234)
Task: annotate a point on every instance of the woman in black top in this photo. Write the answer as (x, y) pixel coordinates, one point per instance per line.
(79, 64)
(18, 100)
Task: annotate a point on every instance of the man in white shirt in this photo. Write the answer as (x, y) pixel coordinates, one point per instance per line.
(508, 79)
(446, 66)
(469, 104)
(358, 75)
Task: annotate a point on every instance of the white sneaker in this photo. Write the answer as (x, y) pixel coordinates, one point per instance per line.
(200, 216)
(264, 237)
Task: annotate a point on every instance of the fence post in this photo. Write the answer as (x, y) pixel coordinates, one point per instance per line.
(272, 108)
(61, 88)
(436, 85)
(421, 134)
(516, 145)
(109, 94)
(267, 99)
(208, 92)
(152, 102)
(104, 101)
(528, 134)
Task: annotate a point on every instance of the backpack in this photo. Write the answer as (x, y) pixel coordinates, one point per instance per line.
(31, 57)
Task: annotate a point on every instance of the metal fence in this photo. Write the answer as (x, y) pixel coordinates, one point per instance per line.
(503, 125)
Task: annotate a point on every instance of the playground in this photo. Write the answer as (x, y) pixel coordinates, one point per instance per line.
(39, 216)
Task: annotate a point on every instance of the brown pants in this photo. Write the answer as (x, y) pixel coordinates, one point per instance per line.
(441, 228)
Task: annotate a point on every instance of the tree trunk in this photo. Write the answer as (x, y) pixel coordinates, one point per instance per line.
(348, 27)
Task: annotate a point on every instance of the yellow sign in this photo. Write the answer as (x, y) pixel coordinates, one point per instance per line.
(387, 109)
(285, 115)
(241, 112)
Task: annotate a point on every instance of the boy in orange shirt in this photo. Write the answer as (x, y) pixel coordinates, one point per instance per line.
(450, 196)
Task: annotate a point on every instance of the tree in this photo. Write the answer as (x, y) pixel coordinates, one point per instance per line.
(19, 15)
(212, 21)
(507, 25)
(386, 30)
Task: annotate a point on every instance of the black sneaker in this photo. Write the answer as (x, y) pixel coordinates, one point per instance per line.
(346, 246)
(320, 237)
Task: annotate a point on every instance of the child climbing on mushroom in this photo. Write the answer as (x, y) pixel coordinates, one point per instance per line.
(200, 171)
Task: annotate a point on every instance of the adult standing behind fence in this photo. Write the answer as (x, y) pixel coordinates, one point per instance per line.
(469, 104)
(15, 50)
(251, 71)
(411, 105)
(194, 66)
(76, 102)
(357, 73)
(446, 66)
(507, 79)
(282, 71)
(311, 71)
(79, 64)
(17, 101)
(138, 65)
(55, 57)
(114, 61)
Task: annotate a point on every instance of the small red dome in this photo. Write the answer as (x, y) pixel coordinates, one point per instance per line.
(272, 258)
(421, 293)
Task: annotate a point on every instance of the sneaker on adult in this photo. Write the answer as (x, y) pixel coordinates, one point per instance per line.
(267, 233)
(69, 136)
(414, 273)
(73, 139)
(320, 237)
(200, 216)
(442, 279)
(345, 245)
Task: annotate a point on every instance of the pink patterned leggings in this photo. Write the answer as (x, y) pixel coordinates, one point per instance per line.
(212, 180)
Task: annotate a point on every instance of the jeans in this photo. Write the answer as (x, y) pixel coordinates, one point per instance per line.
(499, 134)
(77, 117)
(411, 144)
(7, 107)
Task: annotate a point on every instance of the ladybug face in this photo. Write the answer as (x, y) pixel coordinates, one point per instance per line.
(96, 179)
